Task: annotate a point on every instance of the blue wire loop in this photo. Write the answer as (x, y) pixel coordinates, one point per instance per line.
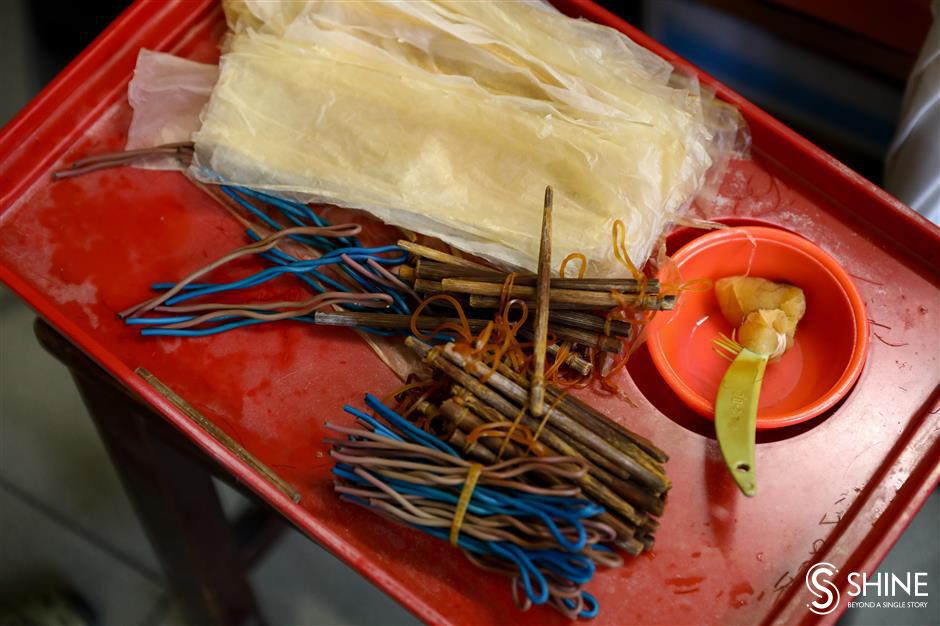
(567, 561)
(283, 264)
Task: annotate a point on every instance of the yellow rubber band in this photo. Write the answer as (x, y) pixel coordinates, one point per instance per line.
(473, 475)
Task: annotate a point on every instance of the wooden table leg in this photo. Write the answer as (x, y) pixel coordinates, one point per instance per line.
(173, 495)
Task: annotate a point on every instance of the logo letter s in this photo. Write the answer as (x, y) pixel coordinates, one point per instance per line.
(818, 583)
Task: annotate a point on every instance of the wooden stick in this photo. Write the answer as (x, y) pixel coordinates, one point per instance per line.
(574, 360)
(586, 338)
(434, 270)
(628, 449)
(458, 439)
(429, 286)
(542, 286)
(218, 434)
(492, 302)
(431, 270)
(621, 437)
(431, 322)
(589, 321)
(623, 285)
(628, 490)
(390, 320)
(430, 253)
(578, 408)
(574, 319)
(593, 299)
(612, 433)
(590, 484)
(407, 274)
(488, 453)
(627, 465)
(463, 424)
(464, 419)
(632, 546)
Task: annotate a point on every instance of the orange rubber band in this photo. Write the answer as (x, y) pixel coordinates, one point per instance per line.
(520, 434)
(568, 259)
(408, 386)
(559, 360)
(696, 285)
(619, 237)
(463, 330)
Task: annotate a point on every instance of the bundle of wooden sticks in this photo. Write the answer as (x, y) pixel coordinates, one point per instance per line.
(491, 399)
(584, 324)
(573, 303)
(485, 413)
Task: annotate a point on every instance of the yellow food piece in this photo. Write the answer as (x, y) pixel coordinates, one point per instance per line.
(765, 313)
(765, 332)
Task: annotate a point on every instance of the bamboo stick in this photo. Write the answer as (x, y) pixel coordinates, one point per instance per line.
(465, 419)
(573, 406)
(431, 322)
(458, 439)
(627, 465)
(436, 255)
(619, 436)
(492, 302)
(630, 491)
(579, 336)
(589, 483)
(429, 286)
(431, 270)
(218, 434)
(407, 274)
(593, 299)
(573, 360)
(633, 546)
(389, 320)
(621, 443)
(631, 466)
(434, 270)
(540, 330)
(589, 321)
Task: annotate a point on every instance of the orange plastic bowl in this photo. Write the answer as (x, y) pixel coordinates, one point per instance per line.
(831, 341)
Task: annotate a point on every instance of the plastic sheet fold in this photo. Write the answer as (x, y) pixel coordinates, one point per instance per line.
(167, 93)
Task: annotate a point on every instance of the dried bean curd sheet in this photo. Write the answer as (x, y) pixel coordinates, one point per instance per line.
(449, 118)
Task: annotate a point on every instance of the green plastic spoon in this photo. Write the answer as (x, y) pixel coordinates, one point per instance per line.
(736, 413)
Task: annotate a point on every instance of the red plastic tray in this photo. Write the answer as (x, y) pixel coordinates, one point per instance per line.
(840, 488)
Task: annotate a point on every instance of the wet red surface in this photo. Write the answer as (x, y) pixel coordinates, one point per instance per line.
(838, 488)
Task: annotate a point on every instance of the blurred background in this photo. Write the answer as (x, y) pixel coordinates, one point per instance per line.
(836, 71)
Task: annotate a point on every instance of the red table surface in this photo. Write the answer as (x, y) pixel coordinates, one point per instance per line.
(840, 488)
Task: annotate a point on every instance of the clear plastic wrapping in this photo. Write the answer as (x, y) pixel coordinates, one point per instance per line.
(167, 94)
(450, 118)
